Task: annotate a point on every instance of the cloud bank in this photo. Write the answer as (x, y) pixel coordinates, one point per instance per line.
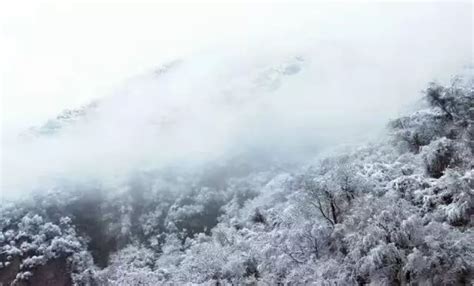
(330, 75)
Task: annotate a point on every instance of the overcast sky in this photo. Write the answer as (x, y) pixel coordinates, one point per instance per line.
(61, 54)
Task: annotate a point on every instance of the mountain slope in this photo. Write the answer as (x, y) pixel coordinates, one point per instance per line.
(397, 211)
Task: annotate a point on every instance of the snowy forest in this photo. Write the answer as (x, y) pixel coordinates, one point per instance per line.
(398, 210)
(259, 143)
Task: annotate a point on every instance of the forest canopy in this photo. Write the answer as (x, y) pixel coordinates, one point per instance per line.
(396, 211)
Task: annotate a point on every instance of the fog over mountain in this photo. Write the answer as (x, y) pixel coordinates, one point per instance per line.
(332, 144)
(286, 105)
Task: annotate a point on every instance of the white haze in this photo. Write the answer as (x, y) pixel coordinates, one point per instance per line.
(288, 82)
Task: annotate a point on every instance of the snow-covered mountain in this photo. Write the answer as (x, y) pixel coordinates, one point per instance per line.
(396, 211)
(286, 144)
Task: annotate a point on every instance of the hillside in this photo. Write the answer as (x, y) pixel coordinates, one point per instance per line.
(396, 211)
